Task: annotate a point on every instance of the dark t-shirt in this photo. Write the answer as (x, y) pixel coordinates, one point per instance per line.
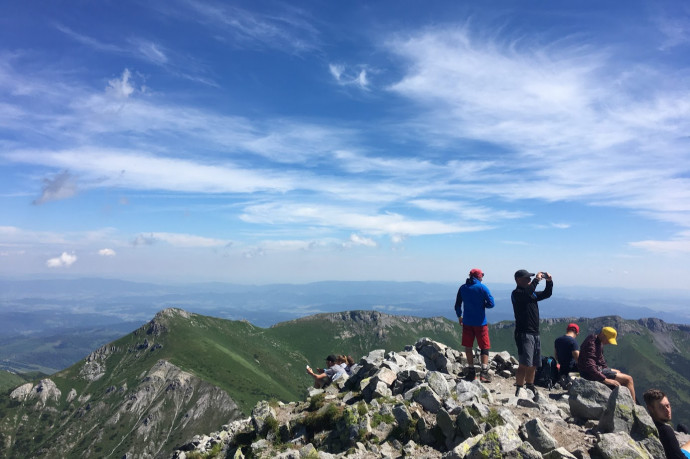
(525, 306)
(669, 441)
(565, 345)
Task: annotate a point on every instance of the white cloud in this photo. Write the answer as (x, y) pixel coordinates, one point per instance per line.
(121, 87)
(139, 170)
(336, 70)
(338, 217)
(467, 211)
(356, 239)
(179, 240)
(349, 77)
(678, 244)
(107, 252)
(568, 122)
(64, 260)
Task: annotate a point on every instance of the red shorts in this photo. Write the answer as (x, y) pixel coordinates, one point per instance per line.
(481, 332)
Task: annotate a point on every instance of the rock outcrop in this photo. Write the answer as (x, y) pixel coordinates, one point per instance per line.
(415, 403)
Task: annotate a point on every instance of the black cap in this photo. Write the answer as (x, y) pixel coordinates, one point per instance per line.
(331, 358)
(523, 273)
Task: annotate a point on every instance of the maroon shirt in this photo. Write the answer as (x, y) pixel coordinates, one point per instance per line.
(591, 360)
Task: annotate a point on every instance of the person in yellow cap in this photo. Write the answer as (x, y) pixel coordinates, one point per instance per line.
(592, 365)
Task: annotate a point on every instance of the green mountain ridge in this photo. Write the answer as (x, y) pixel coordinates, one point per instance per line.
(183, 374)
(152, 389)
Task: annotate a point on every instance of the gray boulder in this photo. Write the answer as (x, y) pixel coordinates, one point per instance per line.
(446, 425)
(437, 382)
(620, 445)
(559, 453)
(466, 425)
(462, 450)
(539, 436)
(497, 442)
(402, 415)
(427, 398)
(261, 412)
(524, 451)
(644, 425)
(386, 375)
(619, 414)
(588, 398)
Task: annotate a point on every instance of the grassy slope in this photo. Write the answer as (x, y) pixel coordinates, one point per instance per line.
(9, 381)
(316, 337)
(253, 363)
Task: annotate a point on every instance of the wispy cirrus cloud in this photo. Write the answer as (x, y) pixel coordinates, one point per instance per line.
(287, 28)
(147, 51)
(679, 244)
(141, 170)
(386, 223)
(568, 121)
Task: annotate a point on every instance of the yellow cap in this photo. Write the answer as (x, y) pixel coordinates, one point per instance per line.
(610, 333)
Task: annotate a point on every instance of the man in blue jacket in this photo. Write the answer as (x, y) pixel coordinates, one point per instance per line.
(477, 298)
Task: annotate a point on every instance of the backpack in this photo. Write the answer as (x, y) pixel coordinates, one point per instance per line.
(547, 374)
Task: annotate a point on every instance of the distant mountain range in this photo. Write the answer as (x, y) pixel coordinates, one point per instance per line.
(51, 324)
(183, 373)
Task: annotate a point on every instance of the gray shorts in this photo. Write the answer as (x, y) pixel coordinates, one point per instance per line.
(609, 373)
(529, 349)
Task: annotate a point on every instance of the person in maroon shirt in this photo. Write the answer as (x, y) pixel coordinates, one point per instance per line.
(592, 365)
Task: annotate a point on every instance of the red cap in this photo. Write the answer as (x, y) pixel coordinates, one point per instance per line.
(573, 327)
(476, 272)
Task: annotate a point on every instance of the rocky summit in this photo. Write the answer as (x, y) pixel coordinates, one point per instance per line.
(417, 403)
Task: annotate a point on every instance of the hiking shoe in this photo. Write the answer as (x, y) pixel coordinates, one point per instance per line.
(534, 391)
(517, 390)
(470, 373)
(484, 376)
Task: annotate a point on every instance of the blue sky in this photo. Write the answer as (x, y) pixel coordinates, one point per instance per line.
(262, 142)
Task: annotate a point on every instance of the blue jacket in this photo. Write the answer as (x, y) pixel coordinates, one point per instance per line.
(477, 298)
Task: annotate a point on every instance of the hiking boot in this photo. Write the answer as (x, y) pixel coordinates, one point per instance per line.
(484, 376)
(534, 391)
(470, 373)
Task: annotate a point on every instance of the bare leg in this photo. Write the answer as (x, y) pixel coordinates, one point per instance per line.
(627, 381)
(520, 375)
(470, 356)
(530, 372)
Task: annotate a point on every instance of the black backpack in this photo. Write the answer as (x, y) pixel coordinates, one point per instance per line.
(547, 374)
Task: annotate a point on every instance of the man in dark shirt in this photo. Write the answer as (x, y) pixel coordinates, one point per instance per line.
(526, 309)
(592, 365)
(567, 351)
(660, 410)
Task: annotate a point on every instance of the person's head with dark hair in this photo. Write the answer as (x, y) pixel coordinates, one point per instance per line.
(658, 405)
(350, 360)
